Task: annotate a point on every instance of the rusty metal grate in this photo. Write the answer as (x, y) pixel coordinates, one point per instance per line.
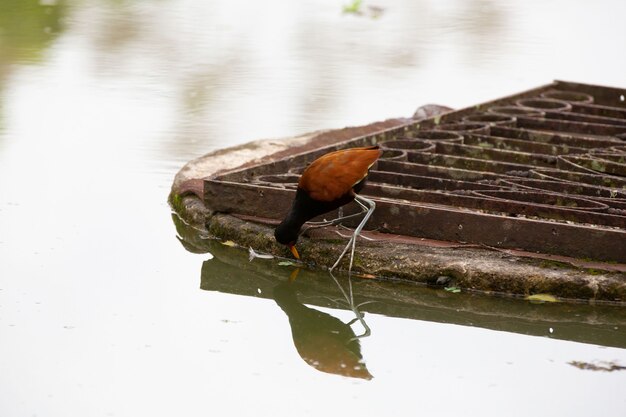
(542, 171)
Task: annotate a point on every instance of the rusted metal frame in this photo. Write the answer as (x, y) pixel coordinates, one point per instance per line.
(302, 159)
(568, 96)
(589, 191)
(439, 222)
(569, 126)
(584, 118)
(232, 197)
(426, 182)
(461, 127)
(602, 95)
(563, 139)
(444, 223)
(451, 173)
(249, 174)
(434, 136)
(520, 145)
(545, 198)
(576, 177)
(600, 194)
(608, 196)
(491, 119)
(249, 199)
(472, 164)
(617, 207)
(408, 144)
(609, 155)
(590, 164)
(598, 110)
(457, 115)
(500, 155)
(474, 201)
(540, 131)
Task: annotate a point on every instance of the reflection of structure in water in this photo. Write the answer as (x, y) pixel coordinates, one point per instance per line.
(323, 341)
(229, 272)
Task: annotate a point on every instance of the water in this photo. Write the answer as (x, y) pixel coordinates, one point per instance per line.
(100, 307)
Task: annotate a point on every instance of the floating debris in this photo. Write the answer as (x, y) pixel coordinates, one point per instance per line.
(599, 366)
(253, 254)
(443, 280)
(542, 298)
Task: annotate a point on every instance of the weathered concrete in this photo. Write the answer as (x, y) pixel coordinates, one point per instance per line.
(467, 266)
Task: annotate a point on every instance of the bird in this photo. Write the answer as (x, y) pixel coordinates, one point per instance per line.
(322, 341)
(328, 183)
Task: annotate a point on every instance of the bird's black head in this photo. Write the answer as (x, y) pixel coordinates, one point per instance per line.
(287, 234)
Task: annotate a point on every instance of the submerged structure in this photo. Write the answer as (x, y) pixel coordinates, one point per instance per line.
(521, 195)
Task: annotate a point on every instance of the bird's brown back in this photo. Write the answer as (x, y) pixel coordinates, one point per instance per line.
(332, 175)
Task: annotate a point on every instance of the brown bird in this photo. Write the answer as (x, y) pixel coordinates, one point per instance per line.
(330, 182)
(322, 341)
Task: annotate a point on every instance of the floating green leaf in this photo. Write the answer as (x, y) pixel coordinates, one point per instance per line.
(454, 290)
(285, 263)
(354, 7)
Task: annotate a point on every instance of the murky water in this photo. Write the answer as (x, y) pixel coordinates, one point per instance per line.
(103, 312)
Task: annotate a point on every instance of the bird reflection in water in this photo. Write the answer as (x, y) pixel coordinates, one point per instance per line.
(323, 341)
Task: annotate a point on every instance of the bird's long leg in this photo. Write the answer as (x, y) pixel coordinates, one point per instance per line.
(362, 236)
(352, 242)
(357, 231)
(367, 332)
(315, 225)
(338, 220)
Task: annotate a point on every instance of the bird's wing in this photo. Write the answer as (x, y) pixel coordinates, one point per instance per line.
(334, 174)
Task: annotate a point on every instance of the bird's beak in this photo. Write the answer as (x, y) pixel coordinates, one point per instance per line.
(293, 250)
